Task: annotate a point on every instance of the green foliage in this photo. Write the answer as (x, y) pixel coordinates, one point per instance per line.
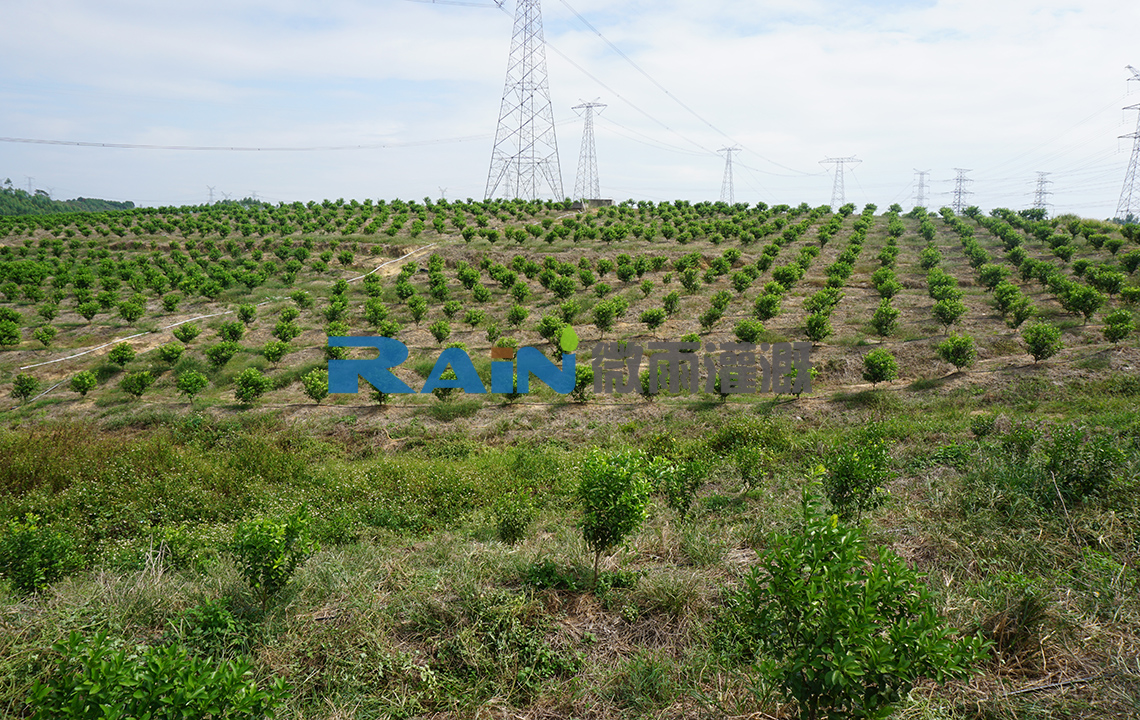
(855, 473)
(445, 393)
(880, 365)
(250, 384)
(191, 382)
(84, 382)
(604, 315)
(186, 333)
(275, 350)
(653, 318)
(885, 319)
(748, 331)
(958, 350)
(514, 513)
(948, 311)
(678, 482)
(45, 334)
(614, 493)
(818, 327)
(440, 330)
(767, 306)
(246, 313)
(417, 306)
(24, 386)
(32, 556)
(131, 312)
(136, 383)
(1118, 325)
(268, 550)
(97, 678)
(220, 354)
(838, 636)
(517, 315)
(316, 385)
(1043, 340)
(121, 354)
(583, 383)
(170, 353)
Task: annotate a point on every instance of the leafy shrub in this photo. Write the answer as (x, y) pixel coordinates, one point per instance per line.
(250, 384)
(880, 365)
(24, 386)
(885, 318)
(170, 353)
(268, 550)
(614, 493)
(583, 383)
(94, 678)
(818, 327)
(121, 354)
(1043, 340)
(246, 313)
(186, 333)
(855, 473)
(948, 311)
(1118, 325)
(231, 331)
(836, 635)
(275, 350)
(220, 354)
(45, 334)
(136, 383)
(958, 350)
(982, 425)
(678, 482)
(32, 556)
(191, 382)
(748, 331)
(316, 385)
(513, 514)
(84, 382)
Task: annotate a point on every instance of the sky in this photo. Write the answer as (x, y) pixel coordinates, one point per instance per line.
(1004, 89)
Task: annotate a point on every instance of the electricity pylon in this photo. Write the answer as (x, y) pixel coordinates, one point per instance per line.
(1128, 209)
(1042, 193)
(525, 156)
(838, 193)
(920, 197)
(727, 192)
(586, 185)
(960, 190)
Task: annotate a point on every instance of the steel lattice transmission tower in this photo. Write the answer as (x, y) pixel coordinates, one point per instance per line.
(727, 191)
(920, 197)
(1129, 206)
(525, 158)
(838, 193)
(586, 185)
(1042, 193)
(960, 190)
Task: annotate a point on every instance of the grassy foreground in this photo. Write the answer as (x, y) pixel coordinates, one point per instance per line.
(1020, 503)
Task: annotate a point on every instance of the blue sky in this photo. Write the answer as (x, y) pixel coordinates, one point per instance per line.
(1004, 89)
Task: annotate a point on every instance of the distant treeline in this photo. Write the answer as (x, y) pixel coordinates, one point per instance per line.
(14, 201)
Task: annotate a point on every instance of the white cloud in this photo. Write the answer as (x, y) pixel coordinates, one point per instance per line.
(1005, 89)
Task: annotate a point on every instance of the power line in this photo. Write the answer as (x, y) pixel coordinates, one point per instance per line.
(223, 148)
(665, 90)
